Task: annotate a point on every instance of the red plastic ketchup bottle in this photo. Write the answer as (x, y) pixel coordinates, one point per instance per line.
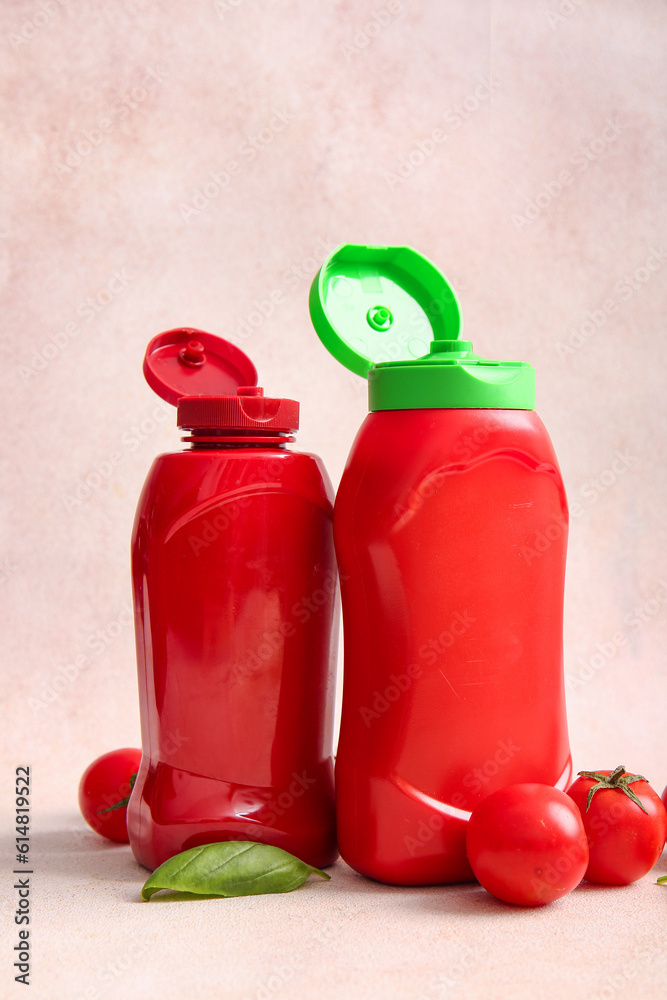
(452, 604)
(235, 597)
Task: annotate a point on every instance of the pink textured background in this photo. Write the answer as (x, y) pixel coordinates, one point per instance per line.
(115, 116)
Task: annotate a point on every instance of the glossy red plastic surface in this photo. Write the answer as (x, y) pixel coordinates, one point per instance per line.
(451, 533)
(235, 597)
(185, 362)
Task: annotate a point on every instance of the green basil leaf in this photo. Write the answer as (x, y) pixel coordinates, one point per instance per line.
(232, 868)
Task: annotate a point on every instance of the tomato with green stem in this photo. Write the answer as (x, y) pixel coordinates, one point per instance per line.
(625, 822)
(104, 792)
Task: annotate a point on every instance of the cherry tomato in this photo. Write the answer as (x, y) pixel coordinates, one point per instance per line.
(625, 837)
(104, 790)
(526, 844)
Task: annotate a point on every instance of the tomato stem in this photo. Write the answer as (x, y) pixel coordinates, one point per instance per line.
(617, 779)
(123, 802)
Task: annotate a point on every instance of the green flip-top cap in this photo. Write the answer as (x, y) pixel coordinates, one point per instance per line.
(388, 314)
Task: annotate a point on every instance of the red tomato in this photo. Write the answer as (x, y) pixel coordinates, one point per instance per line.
(624, 839)
(526, 844)
(105, 783)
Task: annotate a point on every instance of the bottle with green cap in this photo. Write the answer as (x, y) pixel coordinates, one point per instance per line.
(450, 526)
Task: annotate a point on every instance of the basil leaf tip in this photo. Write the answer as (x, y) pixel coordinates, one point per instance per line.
(230, 868)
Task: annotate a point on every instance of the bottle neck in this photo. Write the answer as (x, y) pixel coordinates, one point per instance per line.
(203, 438)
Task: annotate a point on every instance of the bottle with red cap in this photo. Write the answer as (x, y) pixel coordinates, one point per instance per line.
(235, 596)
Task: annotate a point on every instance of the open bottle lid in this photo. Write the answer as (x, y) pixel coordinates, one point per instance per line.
(389, 315)
(213, 384)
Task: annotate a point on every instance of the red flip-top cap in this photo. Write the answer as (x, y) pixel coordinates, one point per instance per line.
(188, 362)
(213, 383)
(249, 409)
